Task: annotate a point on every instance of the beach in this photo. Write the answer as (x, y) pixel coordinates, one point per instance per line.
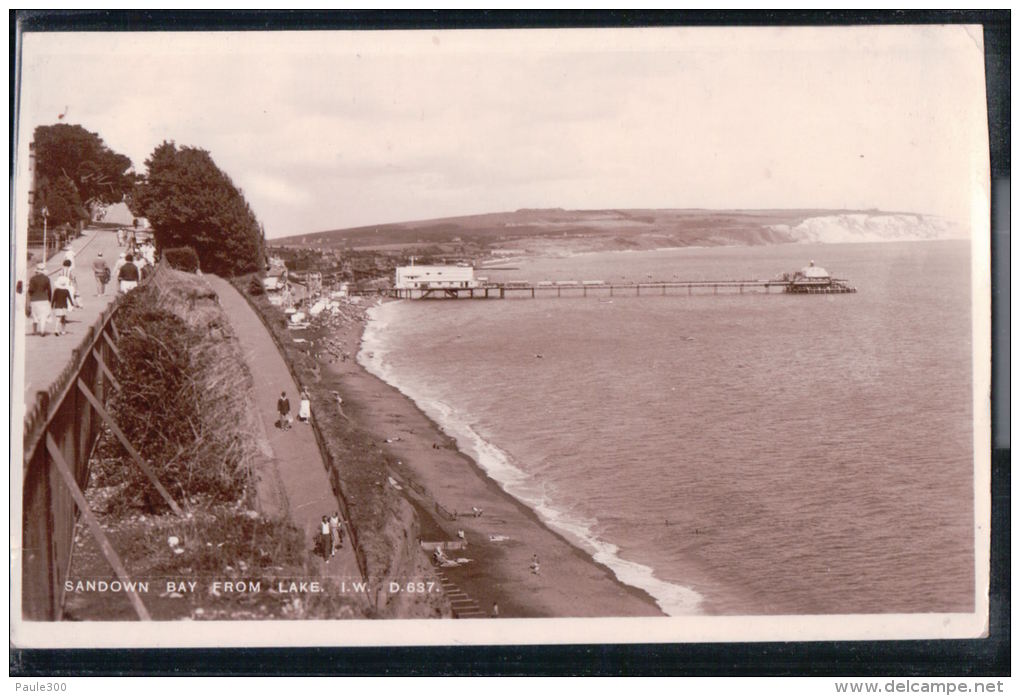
(504, 539)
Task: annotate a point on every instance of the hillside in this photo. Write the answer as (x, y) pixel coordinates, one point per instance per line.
(555, 230)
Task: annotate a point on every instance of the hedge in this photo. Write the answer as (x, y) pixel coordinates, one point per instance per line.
(182, 258)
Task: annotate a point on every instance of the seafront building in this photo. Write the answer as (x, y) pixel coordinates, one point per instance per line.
(435, 277)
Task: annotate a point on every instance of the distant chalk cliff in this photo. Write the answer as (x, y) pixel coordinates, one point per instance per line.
(866, 227)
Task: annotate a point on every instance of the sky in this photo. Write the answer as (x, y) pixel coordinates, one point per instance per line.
(327, 130)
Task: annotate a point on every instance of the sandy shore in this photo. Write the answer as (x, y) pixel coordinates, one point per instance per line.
(568, 584)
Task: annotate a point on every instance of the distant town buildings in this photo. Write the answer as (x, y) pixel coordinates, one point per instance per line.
(313, 282)
(275, 282)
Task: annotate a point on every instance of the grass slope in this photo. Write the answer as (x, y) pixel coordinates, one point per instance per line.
(603, 228)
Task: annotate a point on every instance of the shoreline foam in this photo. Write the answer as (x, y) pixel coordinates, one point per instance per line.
(672, 599)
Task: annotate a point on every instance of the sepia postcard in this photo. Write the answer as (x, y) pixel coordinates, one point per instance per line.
(500, 336)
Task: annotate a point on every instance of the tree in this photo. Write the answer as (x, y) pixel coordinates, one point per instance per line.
(62, 203)
(189, 201)
(69, 154)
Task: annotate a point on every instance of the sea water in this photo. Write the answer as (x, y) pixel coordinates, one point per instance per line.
(730, 454)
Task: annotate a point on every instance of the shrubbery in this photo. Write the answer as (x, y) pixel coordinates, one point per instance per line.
(182, 258)
(177, 405)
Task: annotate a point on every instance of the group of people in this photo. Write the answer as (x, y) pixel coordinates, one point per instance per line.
(331, 536)
(56, 300)
(283, 409)
(331, 532)
(126, 237)
(129, 270)
(142, 253)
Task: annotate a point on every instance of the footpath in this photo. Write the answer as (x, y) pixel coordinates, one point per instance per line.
(47, 356)
(296, 453)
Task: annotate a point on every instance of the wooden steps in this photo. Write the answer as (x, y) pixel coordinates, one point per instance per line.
(461, 603)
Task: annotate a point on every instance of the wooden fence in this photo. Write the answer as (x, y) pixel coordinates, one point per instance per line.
(62, 427)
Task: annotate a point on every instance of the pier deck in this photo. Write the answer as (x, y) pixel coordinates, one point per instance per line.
(584, 289)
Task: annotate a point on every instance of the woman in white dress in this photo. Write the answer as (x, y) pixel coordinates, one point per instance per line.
(305, 409)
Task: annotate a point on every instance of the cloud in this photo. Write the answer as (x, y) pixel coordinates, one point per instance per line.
(275, 190)
(333, 129)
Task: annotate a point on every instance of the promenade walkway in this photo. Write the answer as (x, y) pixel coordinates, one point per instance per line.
(47, 356)
(297, 456)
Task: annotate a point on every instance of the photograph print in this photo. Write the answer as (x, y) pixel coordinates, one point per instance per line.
(500, 336)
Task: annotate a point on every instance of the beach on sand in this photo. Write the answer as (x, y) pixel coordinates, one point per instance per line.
(504, 539)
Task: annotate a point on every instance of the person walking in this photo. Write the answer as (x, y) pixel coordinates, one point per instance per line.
(128, 275)
(283, 408)
(121, 260)
(67, 271)
(325, 539)
(102, 273)
(39, 295)
(305, 408)
(62, 303)
(336, 539)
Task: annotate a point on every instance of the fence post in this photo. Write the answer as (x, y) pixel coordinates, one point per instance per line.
(97, 531)
(127, 446)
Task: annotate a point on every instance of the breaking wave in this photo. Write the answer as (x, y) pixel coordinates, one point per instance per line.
(672, 598)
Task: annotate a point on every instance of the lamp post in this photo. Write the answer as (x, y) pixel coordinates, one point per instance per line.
(45, 215)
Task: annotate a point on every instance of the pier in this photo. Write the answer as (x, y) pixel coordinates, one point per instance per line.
(519, 289)
(459, 281)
